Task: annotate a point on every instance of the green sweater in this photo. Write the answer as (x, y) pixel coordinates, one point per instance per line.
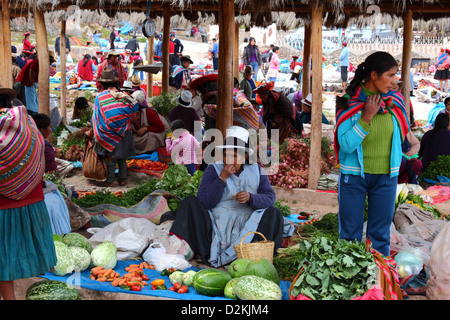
(377, 144)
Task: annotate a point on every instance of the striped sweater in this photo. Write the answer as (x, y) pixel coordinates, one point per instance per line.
(111, 118)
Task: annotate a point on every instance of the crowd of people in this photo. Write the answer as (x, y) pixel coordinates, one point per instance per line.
(372, 138)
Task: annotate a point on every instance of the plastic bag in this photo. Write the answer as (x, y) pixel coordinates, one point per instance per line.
(130, 235)
(438, 284)
(157, 256)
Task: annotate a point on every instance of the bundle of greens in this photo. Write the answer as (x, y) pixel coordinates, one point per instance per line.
(179, 182)
(439, 167)
(334, 269)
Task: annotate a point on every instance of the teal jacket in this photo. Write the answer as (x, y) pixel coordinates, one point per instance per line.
(351, 134)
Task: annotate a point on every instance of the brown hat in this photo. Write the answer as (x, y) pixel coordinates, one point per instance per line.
(9, 92)
(186, 58)
(248, 70)
(107, 75)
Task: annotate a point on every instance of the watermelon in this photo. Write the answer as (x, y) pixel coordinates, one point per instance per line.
(211, 282)
(51, 290)
(263, 268)
(237, 267)
(256, 288)
(229, 289)
(77, 240)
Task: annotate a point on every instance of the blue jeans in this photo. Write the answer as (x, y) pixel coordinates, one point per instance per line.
(255, 67)
(191, 168)
(381, 191)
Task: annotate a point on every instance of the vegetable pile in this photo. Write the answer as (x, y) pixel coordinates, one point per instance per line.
(292, 171)
(334, 270)
(439, 167)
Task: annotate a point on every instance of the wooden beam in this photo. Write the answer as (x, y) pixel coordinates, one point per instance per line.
(7, 79)
(165, 50)
(44, 62)
(225, 80)
(150, 52)
(306, 70)
(236, 52)
(406, 58)
(62, 50)
(316, 111)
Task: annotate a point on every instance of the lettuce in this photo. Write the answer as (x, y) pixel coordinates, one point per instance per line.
(81, 257)
(104, 255)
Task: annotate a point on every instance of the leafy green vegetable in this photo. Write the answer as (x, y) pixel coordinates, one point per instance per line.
(439, 167)
(284, 209)
(334, 269)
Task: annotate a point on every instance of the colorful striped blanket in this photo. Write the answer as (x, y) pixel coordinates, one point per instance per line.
(243, 113)
(443, 61)
(22, 161)
(111, 118)
(391, 102)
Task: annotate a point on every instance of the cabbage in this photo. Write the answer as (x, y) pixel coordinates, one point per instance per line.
(188, 277)
(81, 257)
(65, 263)
(176, 276)
(104, 255)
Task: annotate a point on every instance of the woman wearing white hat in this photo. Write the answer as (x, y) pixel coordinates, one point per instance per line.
(305, 114)
(234, 197)
(184, 111)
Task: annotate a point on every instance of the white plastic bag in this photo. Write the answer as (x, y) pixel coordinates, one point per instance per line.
(130, 235)
(438, 284)
(157, 256)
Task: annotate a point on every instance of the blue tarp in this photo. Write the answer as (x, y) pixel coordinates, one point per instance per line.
(82, 280)
(126, 28)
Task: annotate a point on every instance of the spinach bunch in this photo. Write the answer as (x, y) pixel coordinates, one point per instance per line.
(334, 269)
(439, 167)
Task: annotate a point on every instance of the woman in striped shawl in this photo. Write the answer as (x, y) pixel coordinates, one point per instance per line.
(442, 69)
(371, 124)
(111, 121)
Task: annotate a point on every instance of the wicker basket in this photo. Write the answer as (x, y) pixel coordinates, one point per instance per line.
(255, 250)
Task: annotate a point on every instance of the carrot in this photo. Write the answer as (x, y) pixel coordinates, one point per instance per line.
(115, 283)
(101, 279)
(107, 272)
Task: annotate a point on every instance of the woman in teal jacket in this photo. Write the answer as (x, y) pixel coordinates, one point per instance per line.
(371, 124)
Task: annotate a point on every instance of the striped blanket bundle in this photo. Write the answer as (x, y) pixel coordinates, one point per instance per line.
(22, 161)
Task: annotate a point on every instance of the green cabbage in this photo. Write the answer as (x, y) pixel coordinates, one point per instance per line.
(81, 257)
(104, 255)
(65, 263)
(188, 277)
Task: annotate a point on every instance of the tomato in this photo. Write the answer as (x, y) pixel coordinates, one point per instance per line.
(183, 289)
(135, 288)
(177, 285)
(172, 289)
(144, 277)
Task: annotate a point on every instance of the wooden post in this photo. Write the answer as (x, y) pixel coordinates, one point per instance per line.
(165, 50)
(406, 58)
(236, 51)
(316, 110)
(62, 50)
(306, 62)
(225, 80)
(6, 79)
(44, 62)
(150, 49)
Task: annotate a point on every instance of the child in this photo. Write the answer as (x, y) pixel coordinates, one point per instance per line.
(51, 163)
(183, 146)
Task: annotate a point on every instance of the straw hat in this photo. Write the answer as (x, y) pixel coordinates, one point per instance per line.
(248, 70)
(112, 53)
(135, 80)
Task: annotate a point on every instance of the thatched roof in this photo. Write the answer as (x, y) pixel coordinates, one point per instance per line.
(287, 14)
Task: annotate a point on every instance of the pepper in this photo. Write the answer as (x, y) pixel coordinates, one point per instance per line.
(164, 272)
(161, 287)
(125, 287)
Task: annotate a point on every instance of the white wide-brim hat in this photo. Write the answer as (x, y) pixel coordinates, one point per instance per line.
(237, 138)
(185, 99)
(308, 100)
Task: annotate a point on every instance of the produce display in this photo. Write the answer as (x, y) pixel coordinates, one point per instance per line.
(292, 171)
(51, 290)
(81, 258)
(65, 263)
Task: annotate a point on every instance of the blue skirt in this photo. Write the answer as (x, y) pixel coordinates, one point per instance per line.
(26, 242)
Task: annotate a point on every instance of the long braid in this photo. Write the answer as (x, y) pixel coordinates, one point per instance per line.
(360, 75)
